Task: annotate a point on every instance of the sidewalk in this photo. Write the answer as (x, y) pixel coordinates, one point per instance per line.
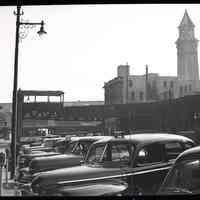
(8, 189)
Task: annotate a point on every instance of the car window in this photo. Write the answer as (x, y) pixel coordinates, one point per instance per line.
(121, 153)
(173, 149)
(188, 145)
(82, 148)
(150, 154)
(70, 147)
(97, 154)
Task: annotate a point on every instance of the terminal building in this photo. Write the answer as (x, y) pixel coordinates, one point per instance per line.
(126, 88)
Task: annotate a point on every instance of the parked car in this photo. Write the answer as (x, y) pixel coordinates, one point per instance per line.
(142, 160)
(75, 152)
(36, 139)
(47, 145)
(60, 145)
(113, 187)
(184, 177)
(24, 159)
(106, 188)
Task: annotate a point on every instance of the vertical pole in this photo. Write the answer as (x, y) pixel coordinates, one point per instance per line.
(7, 170)
(127, 76)
(14, 100)
(146, 83)
(127, 90)
(1, 177)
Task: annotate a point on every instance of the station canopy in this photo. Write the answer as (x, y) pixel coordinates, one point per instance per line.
(41, 93)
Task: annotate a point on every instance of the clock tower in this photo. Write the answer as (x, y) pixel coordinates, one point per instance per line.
(187, 59)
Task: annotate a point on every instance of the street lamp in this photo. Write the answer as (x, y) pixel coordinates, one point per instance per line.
(14, 100)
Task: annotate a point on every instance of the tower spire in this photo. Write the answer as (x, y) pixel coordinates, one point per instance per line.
(186, 21)
(187, 55)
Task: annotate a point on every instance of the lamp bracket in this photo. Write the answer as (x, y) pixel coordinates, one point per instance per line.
(15, 13)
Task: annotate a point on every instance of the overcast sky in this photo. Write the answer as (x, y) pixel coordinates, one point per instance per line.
(85, 44)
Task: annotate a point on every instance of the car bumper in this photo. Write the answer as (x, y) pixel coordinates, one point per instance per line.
(26, 190)
(24, 176)
(24, 179)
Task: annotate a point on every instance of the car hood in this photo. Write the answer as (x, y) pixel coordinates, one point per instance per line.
(105, 188)
(54, 162)
(49, 180)
(39, 148)
(38, 154)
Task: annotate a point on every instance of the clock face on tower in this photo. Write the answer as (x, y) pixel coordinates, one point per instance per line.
(186, 34)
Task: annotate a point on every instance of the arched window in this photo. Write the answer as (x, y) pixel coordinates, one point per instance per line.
(130, 83)
(181, 90)
(141, 96)
(133, 96)
(165, 84)
(190, 88)
(185, 89)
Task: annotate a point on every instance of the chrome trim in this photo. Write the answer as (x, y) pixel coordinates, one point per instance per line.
(24, 186)
(116, 176)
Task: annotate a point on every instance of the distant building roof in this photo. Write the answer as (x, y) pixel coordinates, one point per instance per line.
(83, 103)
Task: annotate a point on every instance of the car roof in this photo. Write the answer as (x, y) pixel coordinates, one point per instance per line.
(90, 138)
(189, 154)
(50, 139)
(146, 138)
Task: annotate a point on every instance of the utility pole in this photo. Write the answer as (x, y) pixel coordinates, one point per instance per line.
(14, 100)
(18, 13)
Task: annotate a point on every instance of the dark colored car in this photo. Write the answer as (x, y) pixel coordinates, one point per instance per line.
(184, 177)
(24, 159)
(47, 145)
(75, 152)
(142, 160)
(104, 188)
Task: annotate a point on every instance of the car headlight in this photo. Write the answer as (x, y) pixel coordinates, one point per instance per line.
(119, 195)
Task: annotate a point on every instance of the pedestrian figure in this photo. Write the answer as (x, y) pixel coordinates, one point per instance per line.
(7, 164)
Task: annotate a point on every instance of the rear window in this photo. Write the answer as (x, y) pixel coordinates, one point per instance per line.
(151, 154)
(121, 153)
(188, 145)
(173, 149)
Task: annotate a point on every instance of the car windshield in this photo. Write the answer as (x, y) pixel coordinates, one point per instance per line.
(184, 178)
(78, 147)
(110, 155)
